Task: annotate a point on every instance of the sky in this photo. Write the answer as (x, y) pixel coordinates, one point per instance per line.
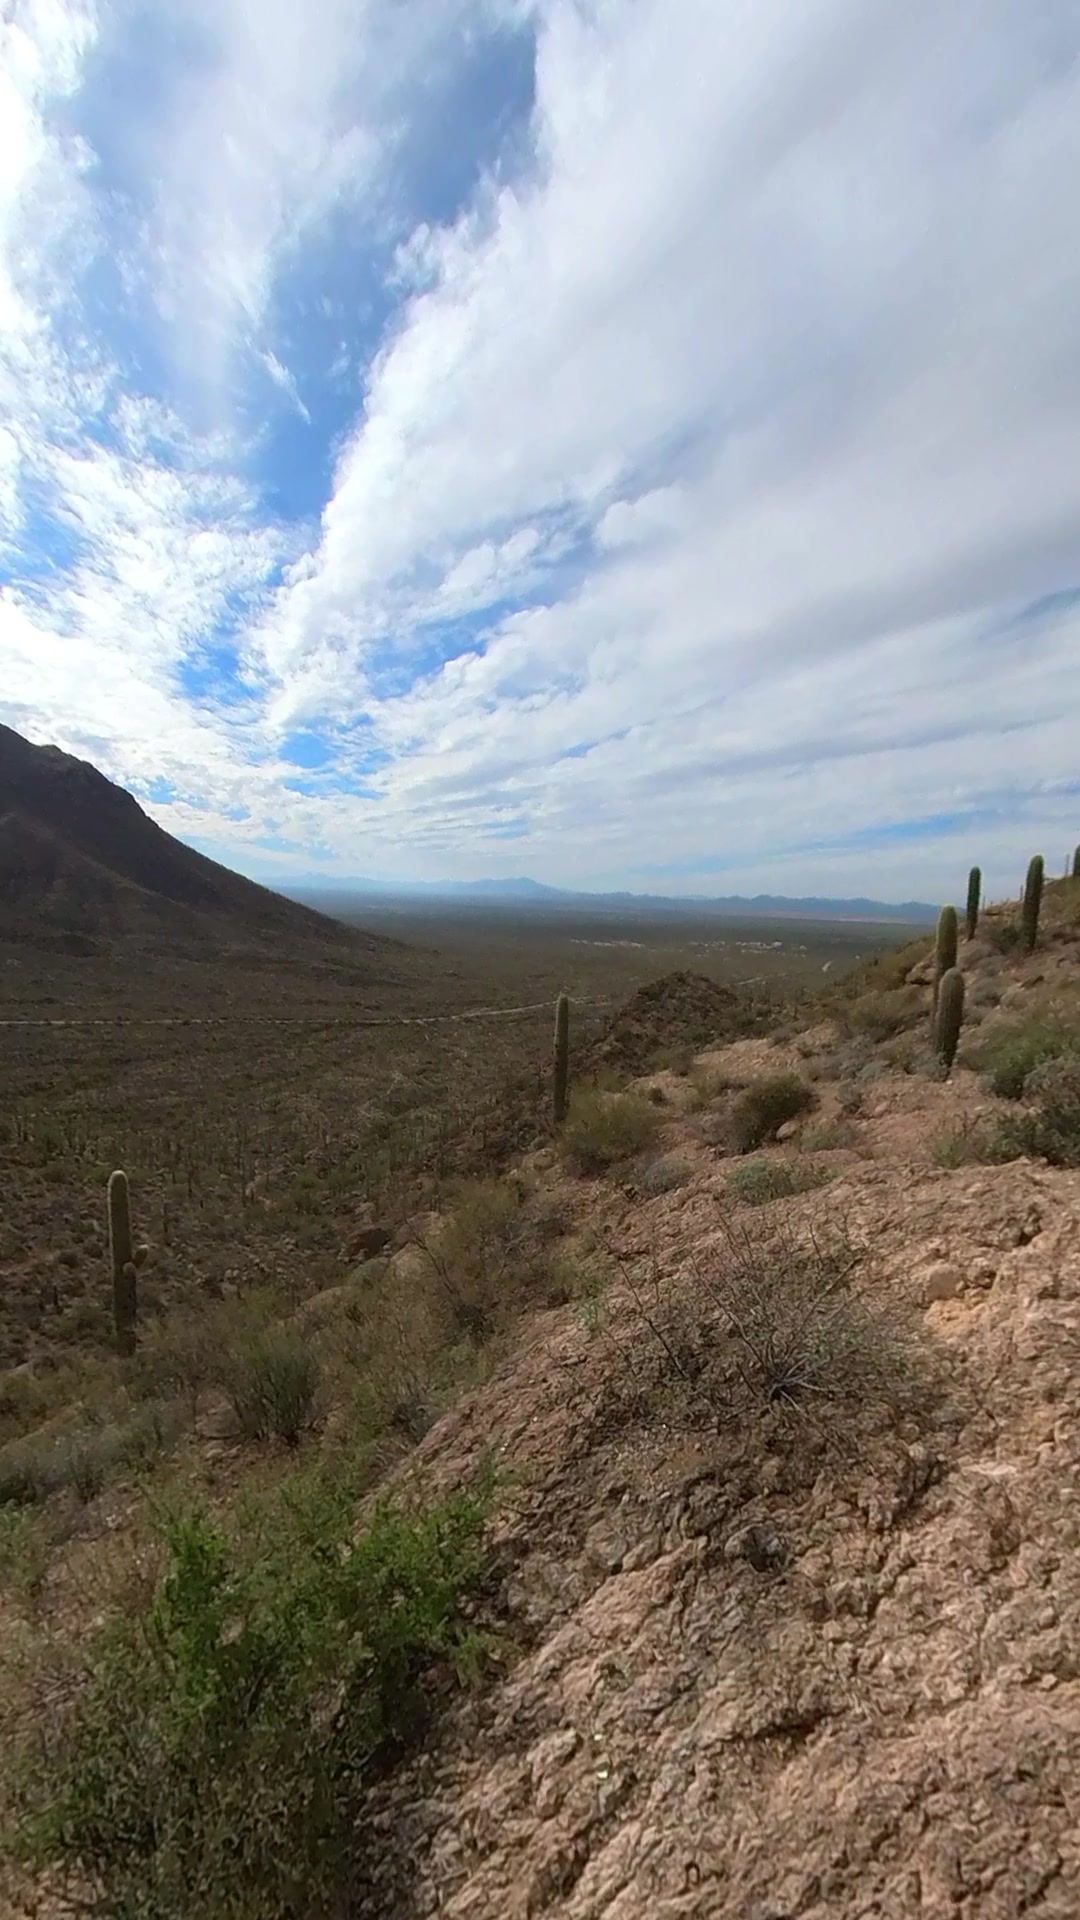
(627, 443)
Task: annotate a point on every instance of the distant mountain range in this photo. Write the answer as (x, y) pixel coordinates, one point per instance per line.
(82, 867)
(523, 893)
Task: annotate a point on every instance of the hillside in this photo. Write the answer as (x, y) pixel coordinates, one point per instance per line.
(774, 1353)
(81, 863)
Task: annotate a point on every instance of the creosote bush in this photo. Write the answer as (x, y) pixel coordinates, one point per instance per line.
(763, 1107)
(211, 1761)
(602, 1131)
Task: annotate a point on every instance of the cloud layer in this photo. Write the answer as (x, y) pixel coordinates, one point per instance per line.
(623, 443)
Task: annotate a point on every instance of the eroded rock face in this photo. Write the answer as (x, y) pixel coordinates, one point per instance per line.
(758, 1685)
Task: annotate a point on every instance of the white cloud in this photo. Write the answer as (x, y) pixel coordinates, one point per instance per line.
(754, 394)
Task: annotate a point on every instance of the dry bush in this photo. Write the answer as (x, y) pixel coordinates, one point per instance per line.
(778, 1343)
(604, 1131)
(971, 1142)
(662, 1175)
(494, 1255)
(804, 1334)
(880, 1015)
(708, 1085)
(765, 1106)
(830, 1136)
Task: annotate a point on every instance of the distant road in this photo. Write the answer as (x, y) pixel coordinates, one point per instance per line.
(330, 1019)
(298, 1019)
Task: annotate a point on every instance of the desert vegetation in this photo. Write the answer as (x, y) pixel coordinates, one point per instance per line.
(252, 1261)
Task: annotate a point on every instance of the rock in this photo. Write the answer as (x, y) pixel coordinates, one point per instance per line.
(942, 1281)
(765, 1550)
(605, 1545)
(368, 1242)
(788, 1131)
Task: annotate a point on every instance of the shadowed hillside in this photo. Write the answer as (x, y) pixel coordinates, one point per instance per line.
(80, 862)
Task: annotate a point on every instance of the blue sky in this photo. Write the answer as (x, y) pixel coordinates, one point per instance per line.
(612, 441)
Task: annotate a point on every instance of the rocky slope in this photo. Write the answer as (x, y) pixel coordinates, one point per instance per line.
(769, 1663)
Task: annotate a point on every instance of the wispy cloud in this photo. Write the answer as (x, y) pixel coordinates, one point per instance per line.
(707, 500)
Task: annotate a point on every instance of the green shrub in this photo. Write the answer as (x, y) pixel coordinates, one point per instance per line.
(764, 1106)
(1051, 1131)
(757, 1182)
(271, 1380)
(1008, 1054)
(602, 1131)
(493, 1254)
(210, 1763)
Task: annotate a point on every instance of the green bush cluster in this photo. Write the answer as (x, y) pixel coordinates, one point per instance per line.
(603, 1130)
(211, 1761)
(756, 1182)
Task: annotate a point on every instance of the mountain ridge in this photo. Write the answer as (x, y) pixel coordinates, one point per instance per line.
(82, 864)
(523, 892)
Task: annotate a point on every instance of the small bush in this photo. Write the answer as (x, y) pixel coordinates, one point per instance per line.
(1009, 1055)
(662, 1175)
(805, 1334)
(971, 1143)
(1002, 936)
(494, 1255)
(1051, 1131)
(757, 1182)
(707, 1087)
(881, 1015)
(604, 1130)
(830, 1136)
(210, 1763)
(271, 1380)
(764, 1106)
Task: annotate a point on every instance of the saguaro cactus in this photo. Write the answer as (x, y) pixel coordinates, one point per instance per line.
(945, 949)
(1076, 865)
(974, 895)
(1032, 901)
(561, 1079)
(122, 1255)
(950, 1016)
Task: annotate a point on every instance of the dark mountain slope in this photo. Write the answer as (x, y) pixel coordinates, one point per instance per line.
(79, 856)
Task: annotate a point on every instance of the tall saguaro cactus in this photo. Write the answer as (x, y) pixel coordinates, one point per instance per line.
(948, 932)
(122, 1255)
(1032, 901)
(974, 896)
(561, 1080)
(950, 1016)
(1076, 865)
